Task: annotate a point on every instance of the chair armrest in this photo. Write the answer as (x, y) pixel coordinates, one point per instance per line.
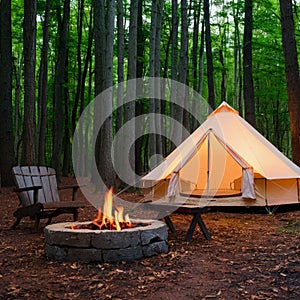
(28, 188)
(64, 187)
(75, 188)
(35, 190)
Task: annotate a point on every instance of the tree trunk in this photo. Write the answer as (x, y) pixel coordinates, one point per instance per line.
(87, 61)
(209, 57)
(152, 119)
(138, 104)
(201, 60)
(43, 89)
(131, 88)
(67, 127)
(247, 65)
(223, 82)
(85, 98)
(80, 17)
(120, 42)
(103, 79)
(120, 91)
(29, 40)
(195, 63)
(236, 56)
(7, 158)
(195, 44)
(292, 74)
(17, 65)
(175, 110)
(183, 67)
(59, 91)
(158, 87)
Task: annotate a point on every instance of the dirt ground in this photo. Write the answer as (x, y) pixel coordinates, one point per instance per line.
(250, 256)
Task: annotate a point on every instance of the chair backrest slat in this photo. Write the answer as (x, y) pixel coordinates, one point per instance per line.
(54, 190)
(36, 180)
(45, 184)
(36, 176)
(20, 183)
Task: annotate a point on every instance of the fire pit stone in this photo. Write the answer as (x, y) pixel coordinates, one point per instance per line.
(66, 244)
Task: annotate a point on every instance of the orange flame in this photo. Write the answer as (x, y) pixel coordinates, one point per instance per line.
(106, 220)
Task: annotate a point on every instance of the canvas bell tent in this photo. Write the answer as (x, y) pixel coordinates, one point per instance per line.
(228, 161)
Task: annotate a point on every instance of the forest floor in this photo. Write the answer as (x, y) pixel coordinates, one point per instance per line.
(250, 256)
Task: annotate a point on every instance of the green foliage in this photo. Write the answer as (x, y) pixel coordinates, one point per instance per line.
(268, 63)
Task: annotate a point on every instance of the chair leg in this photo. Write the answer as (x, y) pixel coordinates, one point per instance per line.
(49, 221)
(36, 223)
(18, 220)
(75, 215)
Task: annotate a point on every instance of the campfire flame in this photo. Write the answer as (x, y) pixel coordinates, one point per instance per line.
(106, 220)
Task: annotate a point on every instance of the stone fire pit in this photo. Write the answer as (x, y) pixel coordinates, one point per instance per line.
(66, 244)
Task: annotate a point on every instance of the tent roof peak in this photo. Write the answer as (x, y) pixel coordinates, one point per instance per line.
(223, 107)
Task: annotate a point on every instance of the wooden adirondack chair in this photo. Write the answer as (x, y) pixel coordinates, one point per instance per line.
(38, 194)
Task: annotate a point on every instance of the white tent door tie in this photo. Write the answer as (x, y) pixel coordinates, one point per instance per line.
(248, 184)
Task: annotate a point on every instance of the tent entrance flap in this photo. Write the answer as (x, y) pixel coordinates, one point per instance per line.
(213, 169)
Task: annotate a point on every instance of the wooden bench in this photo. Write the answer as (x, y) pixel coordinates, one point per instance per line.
(166, 209)
(38, 194)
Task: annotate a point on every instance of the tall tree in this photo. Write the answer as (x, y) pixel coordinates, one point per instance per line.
(196, 16)
(79, 22)
(120, 45)
(66, 146)
(292, 74)
(183, 67)
(29, 42)
(59, 90)
(209, 56)
(155, 141)
(139, 107)
(43, 89)
(201, 59)
(6, 124)
(104, 42)
(247, 65)
(120, 71)
(237, 100)
(131, 88)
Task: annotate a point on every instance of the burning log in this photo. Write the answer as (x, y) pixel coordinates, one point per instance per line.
(105, 219)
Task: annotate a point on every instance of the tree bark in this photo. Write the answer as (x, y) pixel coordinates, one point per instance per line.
(195, 63)
(80, 17)
(292, 74)
(139, 108)
(120, 42)
(183, 67)
(223, 82)
(175, 110)
(209, 57)
(201, 59)
(43, 89)
(158, 87)
(152, 120)
(59, 91)
(67, 124)
(247, 66)
(131, 88)
(104, 42)
(29, 40)
(17, 66)
(7, 158)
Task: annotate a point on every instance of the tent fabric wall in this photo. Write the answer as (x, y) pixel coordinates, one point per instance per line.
(226, 152)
